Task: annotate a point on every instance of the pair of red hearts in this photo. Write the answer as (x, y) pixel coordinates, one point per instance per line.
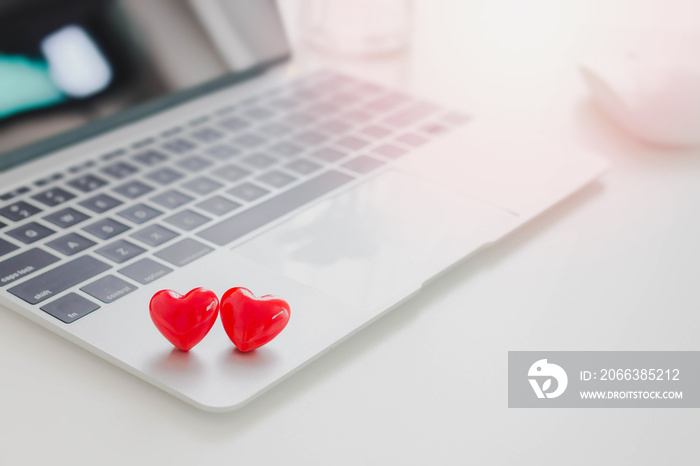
(249, 321)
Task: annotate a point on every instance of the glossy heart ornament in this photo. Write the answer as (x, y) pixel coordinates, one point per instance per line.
(184, 320)
(249, 321)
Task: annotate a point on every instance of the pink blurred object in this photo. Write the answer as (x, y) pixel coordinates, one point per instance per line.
(654, 96)
(357, 27)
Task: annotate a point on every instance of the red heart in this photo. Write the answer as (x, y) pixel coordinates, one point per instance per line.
(251, 322)
(184, 320)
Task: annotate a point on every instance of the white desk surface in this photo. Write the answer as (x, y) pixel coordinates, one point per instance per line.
(615, 267)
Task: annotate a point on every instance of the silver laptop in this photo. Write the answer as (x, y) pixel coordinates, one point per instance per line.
(191, 160)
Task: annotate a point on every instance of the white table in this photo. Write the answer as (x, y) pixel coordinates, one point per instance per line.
(615, 267)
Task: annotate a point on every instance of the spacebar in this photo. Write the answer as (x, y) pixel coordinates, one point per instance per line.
(265, 212)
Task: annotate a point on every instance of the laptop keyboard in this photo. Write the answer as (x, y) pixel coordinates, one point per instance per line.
(78, 240)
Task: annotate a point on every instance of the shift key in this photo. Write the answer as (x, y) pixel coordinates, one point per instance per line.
(59, 279)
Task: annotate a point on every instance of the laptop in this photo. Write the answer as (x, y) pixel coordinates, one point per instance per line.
(202, 158)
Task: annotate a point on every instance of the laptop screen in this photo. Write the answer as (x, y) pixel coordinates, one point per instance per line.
(67, 63)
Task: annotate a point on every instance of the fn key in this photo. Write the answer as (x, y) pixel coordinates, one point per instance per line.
(70, 307)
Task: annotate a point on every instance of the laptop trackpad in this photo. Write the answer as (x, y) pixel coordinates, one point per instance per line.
(378, 242)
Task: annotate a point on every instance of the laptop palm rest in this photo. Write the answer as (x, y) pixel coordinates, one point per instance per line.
(378, 242)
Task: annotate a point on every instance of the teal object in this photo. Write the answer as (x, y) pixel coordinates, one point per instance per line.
(25, 84)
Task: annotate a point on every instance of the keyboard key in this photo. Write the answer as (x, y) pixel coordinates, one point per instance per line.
(367, 88)
(276, 179)
(456, 118)
(390, 151)
(61, 278)
(202, 185)
(275, 129)
(14, 193)
(335, 82)
(87, 183)
(352, 142)
(120, 251)
(140, 213)
(24, 264)
(363, 164)
(226, 110)
(387, 102)
(70, 244)
(284, 103)
(329, 154)
(303, 166)
(19, 211)
(206, 134)
(231, 173)
(311, 138)
(164, 176)
(6, 246)
(133, 189)
(55, 177)
(70, 308)
(249, 220)
(113, 154)
(218, 205)
(66, 218)
(286, 149)
(143, 143)
(234, 123)
(249, 101)
(336, 127)
(411, 114)
(179, 146)
(194, 163)
(412, 139)
(259, 113)
(171, 132)
(434, 128)
(247, 192)
(199, 121)
(324, 110)
(259, 160)
(300, 119)
(154, 235)
(344, 99)
(150, 158)
(183, 252)
(249, 140)
(30, 233)
(306, 94)
(54, 196)
(375, 131)
(187, 220)
(108, 289)
(119, 170)
(358, 116)
(222, 151)
(106, 228)
(145, 271)
(101, 203)
(80, 167)
(171, 199)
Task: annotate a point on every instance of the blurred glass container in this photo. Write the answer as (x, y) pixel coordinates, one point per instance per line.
(360, 28)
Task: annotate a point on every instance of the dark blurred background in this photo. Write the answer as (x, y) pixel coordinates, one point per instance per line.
(66, 62)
